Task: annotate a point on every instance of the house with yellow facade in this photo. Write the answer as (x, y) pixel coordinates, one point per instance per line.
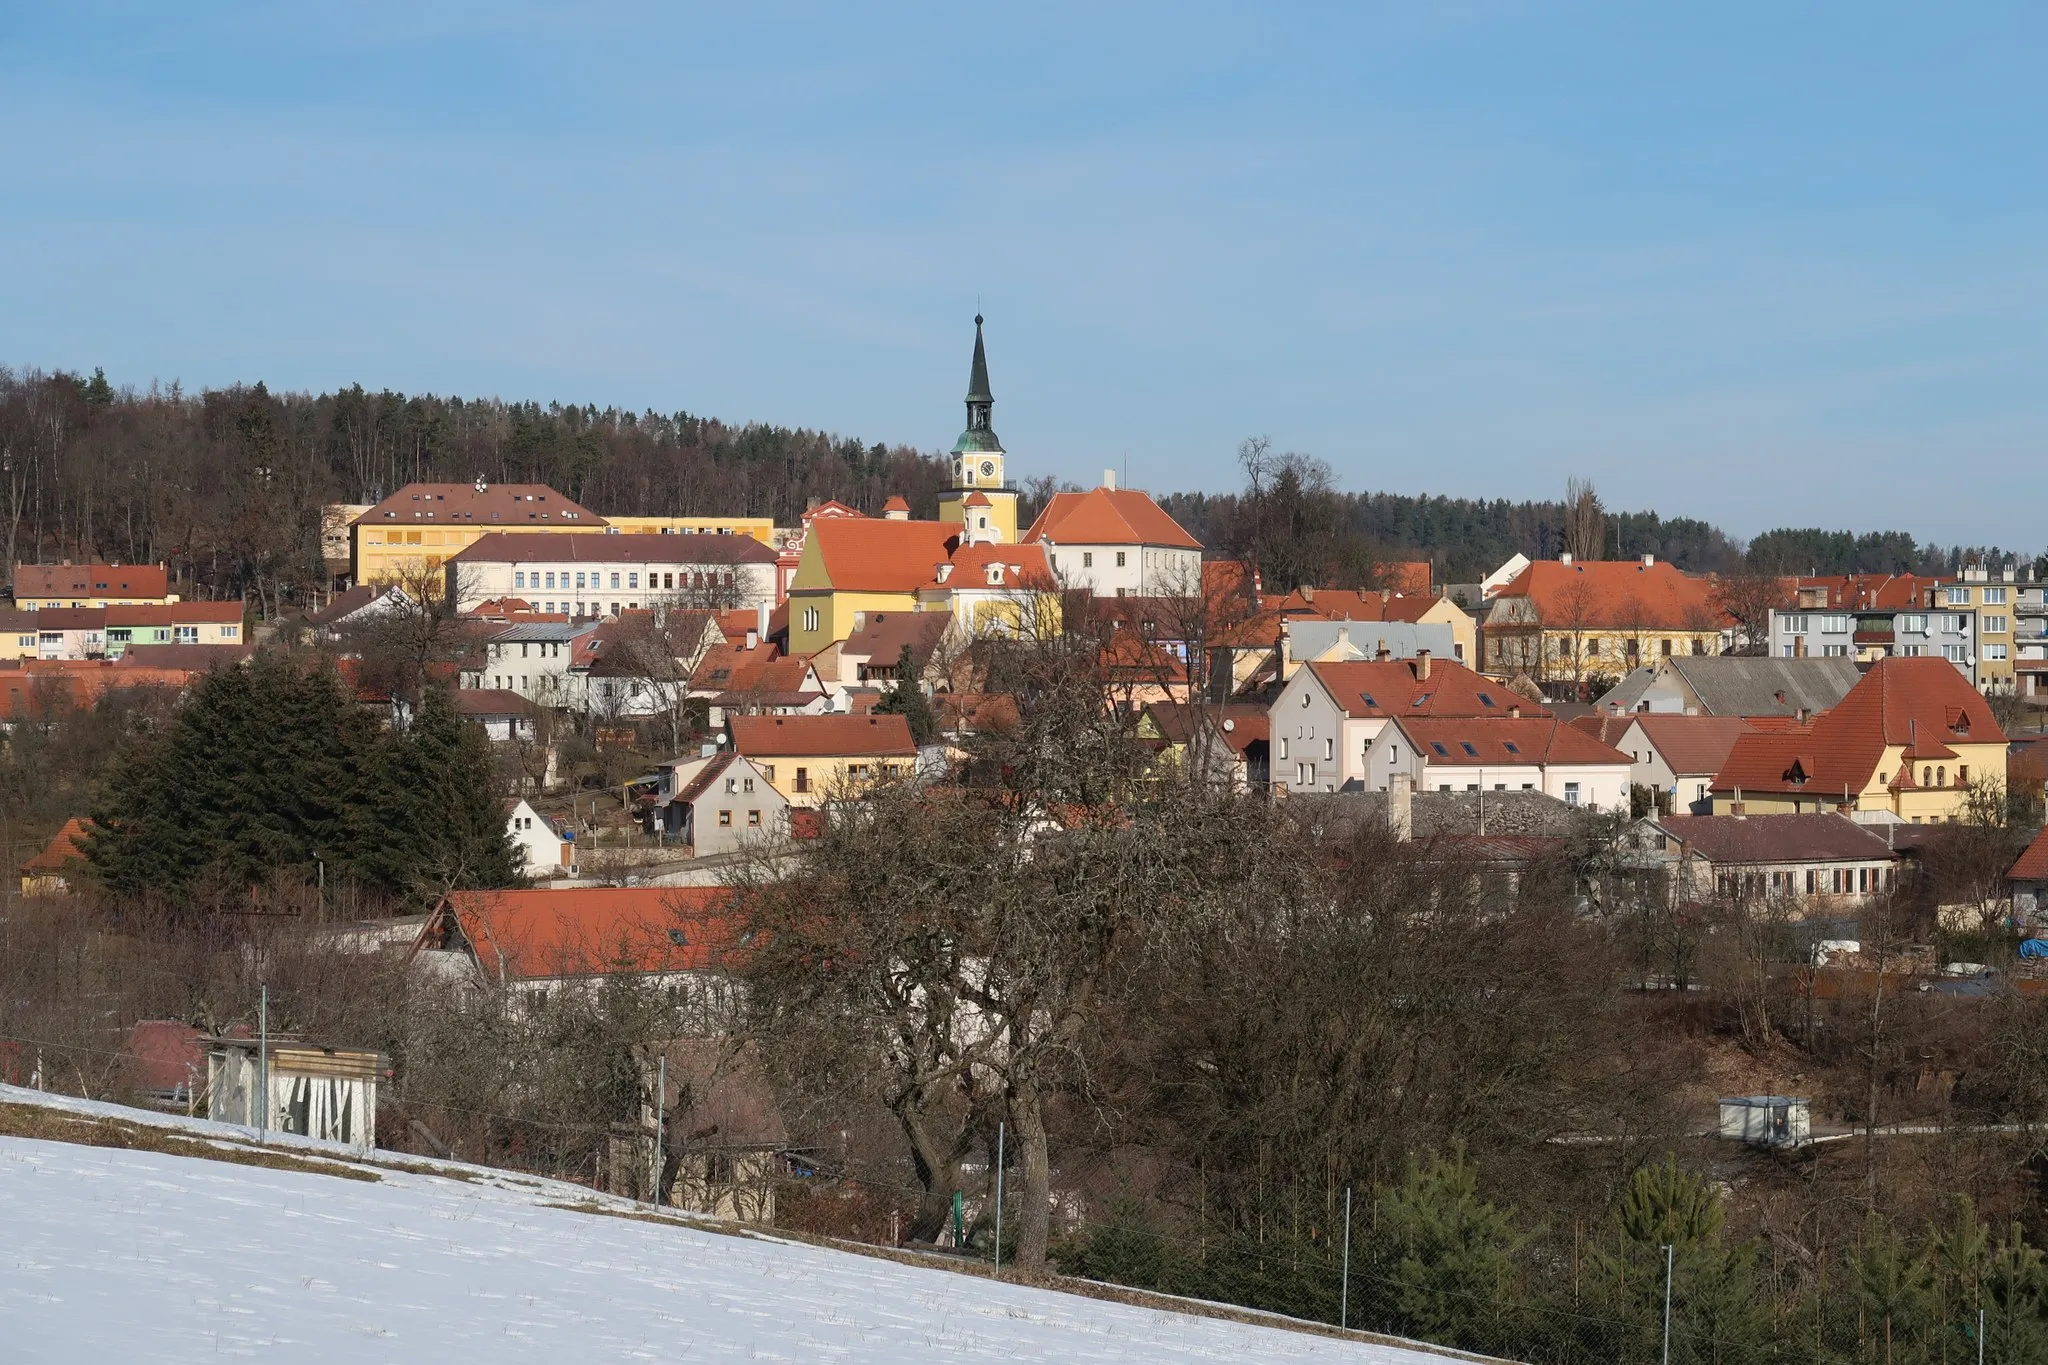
(754, 528)
(815, 759)
(1913, 739)
(981, 502)
(422, 525)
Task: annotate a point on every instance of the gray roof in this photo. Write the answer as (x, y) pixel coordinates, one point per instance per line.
(541, 632)
(1736, 839)
(1729, 686)
(1624, 695)
(1526, 813)
(1306, 637)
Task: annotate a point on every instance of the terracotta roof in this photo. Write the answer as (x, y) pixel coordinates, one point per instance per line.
(786, 681)
(1693, 745)
(976, 712)
(1616, 594)
(460, 504)
(2033, 863)
(689, 548)
(1606, 729)
(582, 931)
(896, 503)
(91, 580)
(1108, 516)
(1408, 576)
(1499, 741)
(490, 701)
(863, 554)
(1729, 839)
(63, 848)
(1925, 704)
(1394, 687)
(975, 499)
(177, 614)
(1239, 724)
(822, 736)
(1343, 604)
(1023, 566)
(189, 658)
(700, 782)
(1870, 591)
(881, 638)
(733, 668)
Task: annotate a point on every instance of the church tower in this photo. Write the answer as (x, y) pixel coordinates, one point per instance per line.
(978, 466)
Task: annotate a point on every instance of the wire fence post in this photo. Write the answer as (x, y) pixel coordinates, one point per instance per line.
(998, 1271)
(660, 1114)
(1667, 1305)
(1980, 1336)
(1344, 1289)
(263, 1064)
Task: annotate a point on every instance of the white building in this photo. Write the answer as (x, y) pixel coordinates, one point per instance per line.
(1504, 754)
(537, 848)
(1327, 719)
(603, 575)
(540, 661)
(1117, 543)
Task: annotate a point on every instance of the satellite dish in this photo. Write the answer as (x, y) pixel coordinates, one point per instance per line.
(1228, 726)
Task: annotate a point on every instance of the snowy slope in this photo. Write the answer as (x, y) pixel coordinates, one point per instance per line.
(109, 1254)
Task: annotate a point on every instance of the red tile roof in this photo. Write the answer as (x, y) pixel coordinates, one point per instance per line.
(1344, 604)
(1408, 576)
(1922, 703)
(733, 668)
(1693, 745)
(1395, 687)
(863, 554)
(460, 504)
(1500, 741)
(63, 848)
(1871, 591)
(822, 736)
(1775, 838)
(1616, 594)
(91, 580)
(583, 931)
(1023, 566)
(2033, 864)
(177, 614)
(1108, 516)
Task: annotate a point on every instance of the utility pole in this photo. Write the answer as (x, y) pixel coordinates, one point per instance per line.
(998, 1271)
(660, 1114)
(1344, 1291)
(1667, 1305)
(263, 1063)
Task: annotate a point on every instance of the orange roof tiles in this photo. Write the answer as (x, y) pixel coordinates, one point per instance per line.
(1396, 687)
(1868, 591)
(822, 736)
(91, 580)
(1693, 745)
(462, 504)
(1616, 594)
(2033, 863)
(1501, 741)
(1108, 516)
(64, 847)
(584, 931)
(1023, 566)
(863, 554)
(1922, 704)
(1408, 576)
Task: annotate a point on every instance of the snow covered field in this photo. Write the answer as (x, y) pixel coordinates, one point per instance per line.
(109, 1254)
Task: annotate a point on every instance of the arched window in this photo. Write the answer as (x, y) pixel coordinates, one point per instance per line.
(1941, 776)
(1927, 777)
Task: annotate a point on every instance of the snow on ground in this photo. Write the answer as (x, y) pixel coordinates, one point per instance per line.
(109, 1254)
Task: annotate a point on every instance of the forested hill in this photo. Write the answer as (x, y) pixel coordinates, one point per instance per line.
(226, 485)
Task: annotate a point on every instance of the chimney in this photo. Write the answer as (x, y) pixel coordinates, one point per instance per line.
(1401, 807)
(1344, 636)
(753, 640)
(1565, 557)
(1382, 653)
(1648, 560)
(1109, 479)
(1422, 665)
(761, 619)
(860, 621)
(1514, 713)
(1799, 646)
(1803, 715)
(1307, 590)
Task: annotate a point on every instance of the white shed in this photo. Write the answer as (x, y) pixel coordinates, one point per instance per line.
(321, 1092)
(1767, 1120)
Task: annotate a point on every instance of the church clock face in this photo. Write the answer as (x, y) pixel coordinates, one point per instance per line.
(988, 469)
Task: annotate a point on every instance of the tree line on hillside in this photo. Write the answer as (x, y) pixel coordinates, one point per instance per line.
(226, 486)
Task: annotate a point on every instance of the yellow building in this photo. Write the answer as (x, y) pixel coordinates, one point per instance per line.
(1912, 738)
(760, 528)
(1991, 640)
(856, 565)
(993, 589)
(37, 586)
(813, 759)
(978, 465)
(415, 529)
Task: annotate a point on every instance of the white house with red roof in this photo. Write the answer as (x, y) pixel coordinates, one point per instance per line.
(1327, 720)
(1504, 754)
(1117, 542)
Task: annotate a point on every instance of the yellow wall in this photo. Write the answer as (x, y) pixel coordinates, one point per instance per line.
(1922, 805)
(760, 528)
(384, 552)
(1002, 512)
(1464, 633)
(827, 775)
(836, 611)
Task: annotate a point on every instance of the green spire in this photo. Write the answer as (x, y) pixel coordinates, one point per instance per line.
(979, 436)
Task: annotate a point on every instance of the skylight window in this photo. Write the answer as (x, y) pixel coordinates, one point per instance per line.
(1366, 697)
(1509, 745)
(1466, 745)
(1441, 751)
(1421, 699)
(1485, 698)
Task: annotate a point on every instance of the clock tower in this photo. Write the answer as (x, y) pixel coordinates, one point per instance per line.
(978, 466)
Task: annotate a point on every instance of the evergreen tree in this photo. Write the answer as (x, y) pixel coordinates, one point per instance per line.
(907, 699)
(1443, 1259)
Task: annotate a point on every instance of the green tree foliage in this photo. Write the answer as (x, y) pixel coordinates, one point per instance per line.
(1443, 1257)
(273, 767)
(907, 699)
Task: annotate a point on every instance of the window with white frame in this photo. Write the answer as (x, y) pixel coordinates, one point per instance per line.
(1959, 597)
(1995, 625)
(1995, 651)
(1994, 597)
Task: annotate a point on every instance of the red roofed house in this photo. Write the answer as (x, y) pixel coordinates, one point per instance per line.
(1325, 725)
(1821, 862)
(90, 585)
(535, 941)
(2029, 878)
(1117, 542)
(1581, 619)
(812, 759)
(1910, 739)
(1499, 754)
(49, 873)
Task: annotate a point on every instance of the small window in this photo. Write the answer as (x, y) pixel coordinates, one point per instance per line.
(1510, 746)
(1439, 750)
(1571, 793)
(803, 779)
(1486, 699)
(1120, 559)
(1467, 747)
(1087, 559)
(754, 817)
(725, 818)
(1329, 748)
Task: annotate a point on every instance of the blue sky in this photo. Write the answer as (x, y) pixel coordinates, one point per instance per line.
(1735, 262)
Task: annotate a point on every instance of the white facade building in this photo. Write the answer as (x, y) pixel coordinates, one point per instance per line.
(603, 575)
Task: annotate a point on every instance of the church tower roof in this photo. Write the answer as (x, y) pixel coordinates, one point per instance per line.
(980, 436)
